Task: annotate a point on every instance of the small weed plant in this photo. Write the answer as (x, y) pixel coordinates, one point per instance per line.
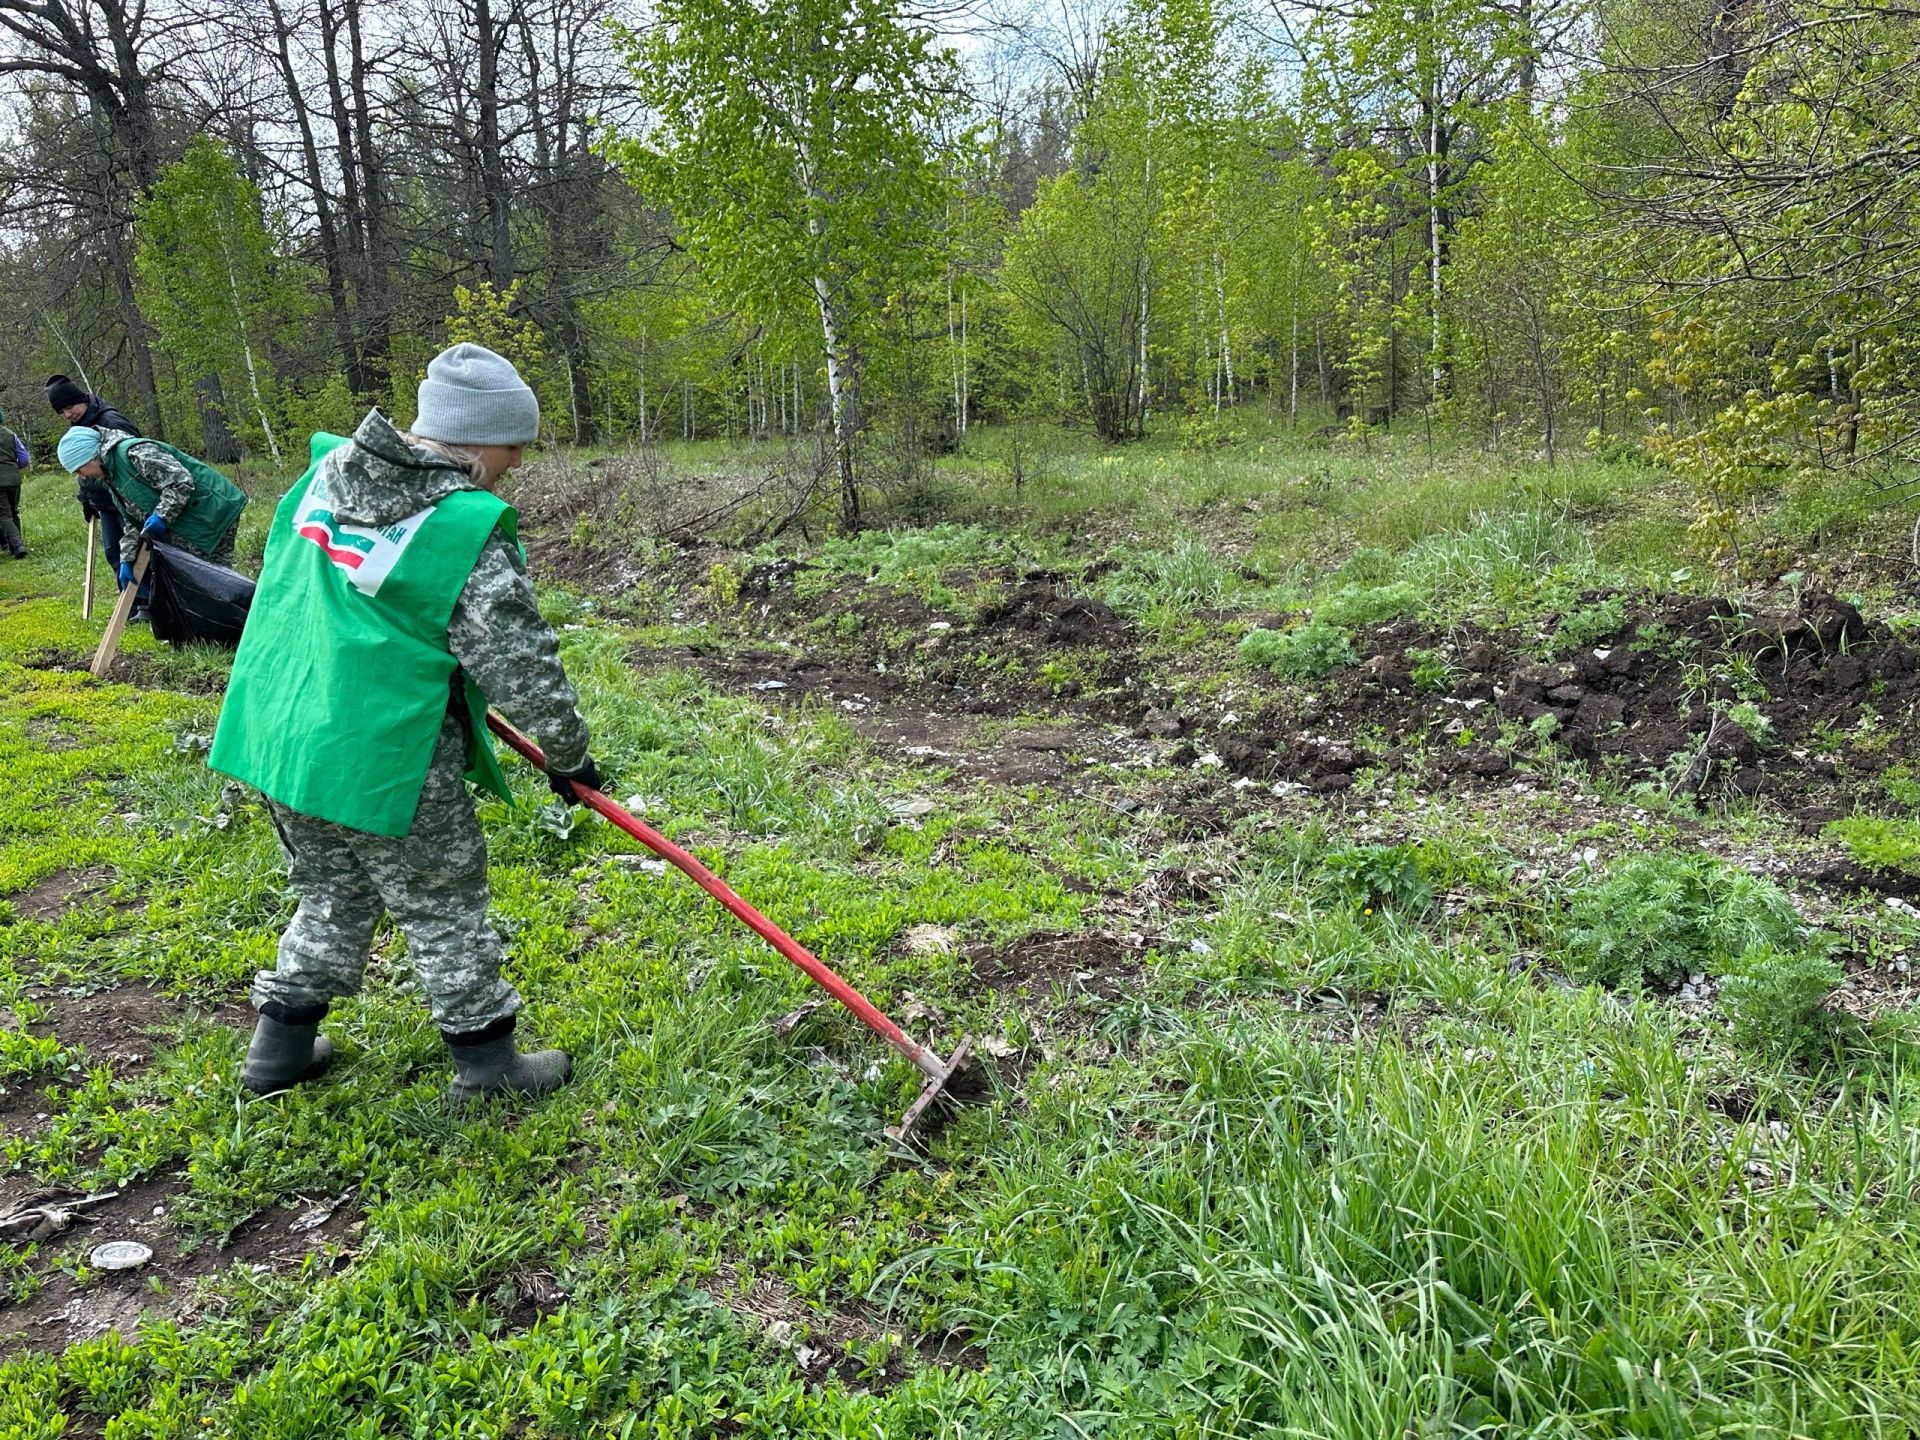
(1753, 723)
(1433, 673)
(1902, 786)
(1775, 1000)
(1586, 627)
(1663, 917)
(1879, 842)
(1311, 652)
(1380, 877)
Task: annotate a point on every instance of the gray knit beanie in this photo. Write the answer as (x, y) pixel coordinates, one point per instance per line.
(472, 396)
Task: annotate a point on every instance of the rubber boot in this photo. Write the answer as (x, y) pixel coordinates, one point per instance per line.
(287, 1048)
(486, 1062)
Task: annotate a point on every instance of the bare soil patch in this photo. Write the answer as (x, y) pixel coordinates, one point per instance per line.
(823, 1345)
(65, 1309)
(54, 657)
(1041, 609)
(110, 1026)
(23, 1104)
(1095, 964)
(601, 572)
(117, 1028)
(47, 899)
(1032, 644)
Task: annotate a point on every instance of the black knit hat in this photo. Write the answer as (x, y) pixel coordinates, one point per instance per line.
(62, 392)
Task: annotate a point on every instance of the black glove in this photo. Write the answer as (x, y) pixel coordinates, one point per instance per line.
(86, 508)
(587, 775)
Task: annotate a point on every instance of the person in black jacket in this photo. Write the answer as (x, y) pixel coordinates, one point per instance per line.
(81, 406)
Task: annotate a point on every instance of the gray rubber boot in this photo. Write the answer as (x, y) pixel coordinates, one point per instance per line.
(486, 1062)
(287, 1048)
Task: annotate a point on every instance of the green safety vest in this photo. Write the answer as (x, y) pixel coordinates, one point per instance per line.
(341, 681)
(209, 517)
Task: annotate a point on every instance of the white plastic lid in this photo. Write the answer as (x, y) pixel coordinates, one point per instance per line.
(121, 1255)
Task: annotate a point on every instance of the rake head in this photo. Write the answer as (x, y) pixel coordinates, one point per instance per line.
(960, 1082)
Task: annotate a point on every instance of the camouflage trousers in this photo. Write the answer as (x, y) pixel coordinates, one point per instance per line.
(432, 880)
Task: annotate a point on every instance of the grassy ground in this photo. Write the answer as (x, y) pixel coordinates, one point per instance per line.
(1389, 1109)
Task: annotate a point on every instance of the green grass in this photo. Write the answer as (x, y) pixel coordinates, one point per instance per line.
(1323, 1156)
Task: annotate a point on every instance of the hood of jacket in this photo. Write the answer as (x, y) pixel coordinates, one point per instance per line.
(379, 477)
(102, 416)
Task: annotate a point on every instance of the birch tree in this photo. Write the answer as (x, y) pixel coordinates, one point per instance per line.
(793, 144)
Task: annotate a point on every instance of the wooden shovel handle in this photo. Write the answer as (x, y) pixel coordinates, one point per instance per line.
(117, 622)
(93, 549)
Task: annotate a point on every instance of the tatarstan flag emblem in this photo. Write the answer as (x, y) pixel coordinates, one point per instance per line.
(364, 554)
(342, 548)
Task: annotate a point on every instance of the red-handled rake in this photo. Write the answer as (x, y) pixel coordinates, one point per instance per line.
(954, 1081)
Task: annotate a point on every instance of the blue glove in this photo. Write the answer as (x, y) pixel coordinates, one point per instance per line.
(126, 574)
(154, 526)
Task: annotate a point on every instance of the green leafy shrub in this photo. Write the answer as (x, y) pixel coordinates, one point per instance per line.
(1586, 627)
(1902, 786)
(1751, 720)
(1381, 877)
(1433, 673)
(1880, 842)
(1664, 917)
(1311, 652)
(1775, 999)
(1368, 604)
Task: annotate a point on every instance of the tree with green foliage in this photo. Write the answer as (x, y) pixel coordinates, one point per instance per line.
(1416, 91)
(794, 146)
(1075, 271)
(210, 281)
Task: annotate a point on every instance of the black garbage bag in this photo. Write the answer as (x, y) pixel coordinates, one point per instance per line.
(195, 599)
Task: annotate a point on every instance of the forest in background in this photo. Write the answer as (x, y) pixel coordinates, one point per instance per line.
(1544, 224)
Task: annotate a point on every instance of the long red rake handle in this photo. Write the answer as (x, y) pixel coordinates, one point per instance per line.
(924, 1060)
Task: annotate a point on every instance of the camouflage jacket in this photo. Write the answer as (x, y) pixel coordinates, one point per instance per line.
(496, 631)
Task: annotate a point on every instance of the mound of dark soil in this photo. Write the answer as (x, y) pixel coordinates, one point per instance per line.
(1838, 698)
(1038, 608)
(992, 663)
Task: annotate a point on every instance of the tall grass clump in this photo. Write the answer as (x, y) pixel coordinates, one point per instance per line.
(1393, 1240)
(1159, 588)
(1507, 565)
